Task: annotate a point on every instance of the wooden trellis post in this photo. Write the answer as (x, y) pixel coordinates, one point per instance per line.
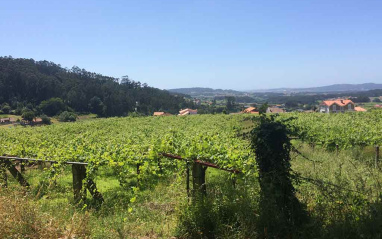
(3, 174)
(199, 168)
(15, 173)
(138, 168)
(79, 174)
(159, 165)
(199, 179)
(22, 167)
(22, 164)
(188, 178)
(376, 156)
(94, 192)
(234, 182)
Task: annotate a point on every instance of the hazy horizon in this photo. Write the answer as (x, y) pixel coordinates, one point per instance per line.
(216, 44)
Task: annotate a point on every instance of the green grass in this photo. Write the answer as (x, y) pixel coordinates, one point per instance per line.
(152, 214)
(342, 198)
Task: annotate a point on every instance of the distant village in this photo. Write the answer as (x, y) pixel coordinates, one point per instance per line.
(335, 105)
(18, 121)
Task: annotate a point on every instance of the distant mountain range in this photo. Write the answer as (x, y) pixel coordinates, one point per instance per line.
(199, 91)
(328, 88)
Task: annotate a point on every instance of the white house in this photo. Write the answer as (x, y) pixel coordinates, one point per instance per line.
(336, 106)
(188, 112)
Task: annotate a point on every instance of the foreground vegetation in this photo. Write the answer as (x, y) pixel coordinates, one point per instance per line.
(351, 209)
(341, 194)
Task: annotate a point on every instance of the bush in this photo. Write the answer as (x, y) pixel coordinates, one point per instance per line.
(6, 108)
(135, 114)
(28, 115)
(52, 106)
(67, 117)
(226, 212)
(18, 111)
(45, 119)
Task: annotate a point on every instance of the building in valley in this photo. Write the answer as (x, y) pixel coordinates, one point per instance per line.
(337, 106)
(188, 112)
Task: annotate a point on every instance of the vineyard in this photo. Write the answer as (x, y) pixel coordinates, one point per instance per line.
(140, 165)
(124, 143)
(345, 130)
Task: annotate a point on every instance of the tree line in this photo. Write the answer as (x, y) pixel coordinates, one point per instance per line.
(49, 88)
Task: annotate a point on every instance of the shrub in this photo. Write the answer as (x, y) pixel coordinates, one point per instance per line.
(52, 106)
(67, 117)
(18, 111)
(28, 115)
(45, 119)
(135, 114)
(226, 212)
(6, 108)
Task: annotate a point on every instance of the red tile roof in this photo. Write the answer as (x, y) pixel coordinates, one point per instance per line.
(357, 108)
(188, 111)
(339, 102)
(161, 114)
(275, 110)
(250, 110)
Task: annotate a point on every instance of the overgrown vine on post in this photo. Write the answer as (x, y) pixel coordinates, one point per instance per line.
(280, 210)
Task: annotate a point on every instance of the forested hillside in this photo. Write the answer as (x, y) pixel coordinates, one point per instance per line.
(25, 83)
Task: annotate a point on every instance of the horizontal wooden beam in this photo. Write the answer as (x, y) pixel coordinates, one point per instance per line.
(204, 163)
(12, 158)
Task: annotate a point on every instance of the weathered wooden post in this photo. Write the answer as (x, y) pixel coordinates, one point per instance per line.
(138, 168)
(40, 165)
(22, 167)
(16, 174)
(199, 179)
(79, 174)
(22, 164)
(3, 174)
(376, 156)
(159, 165)
(188, 178)
(337, 149)
(94, 192)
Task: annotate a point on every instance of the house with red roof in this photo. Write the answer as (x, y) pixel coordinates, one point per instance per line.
(337, 106)
(251, 110)
(162, 114)
(7, 120)
(188, 112)
(275, 110)
(359, 109)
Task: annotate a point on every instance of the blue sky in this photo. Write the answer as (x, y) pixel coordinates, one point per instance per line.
(219, 44)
